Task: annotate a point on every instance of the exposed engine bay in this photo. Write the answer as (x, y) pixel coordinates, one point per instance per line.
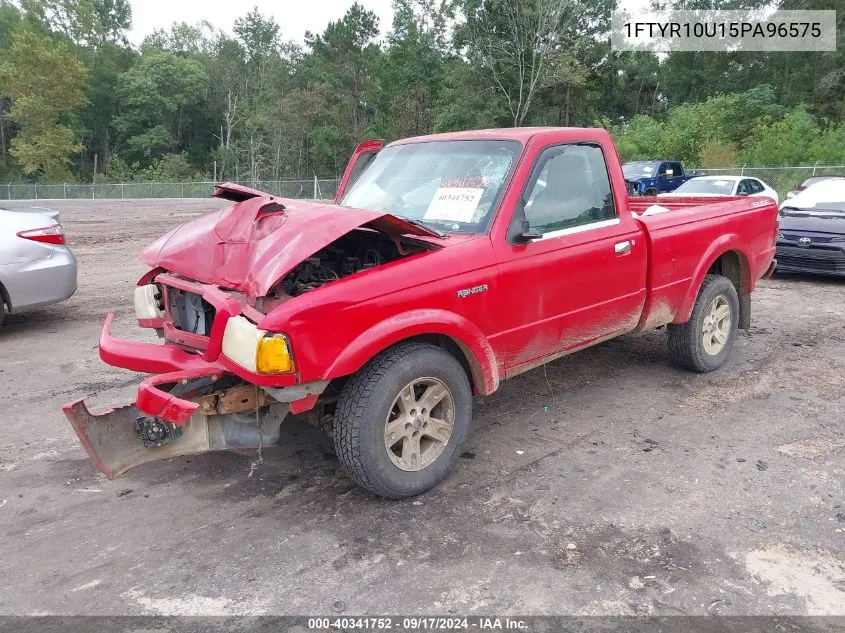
(190, 312)
(356, 251)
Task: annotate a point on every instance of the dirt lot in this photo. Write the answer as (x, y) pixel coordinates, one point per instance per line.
(608, 483)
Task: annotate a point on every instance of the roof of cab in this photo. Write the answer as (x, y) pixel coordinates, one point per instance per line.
(520, 134)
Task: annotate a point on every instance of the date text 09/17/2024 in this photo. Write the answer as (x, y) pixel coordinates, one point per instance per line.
(417, 623)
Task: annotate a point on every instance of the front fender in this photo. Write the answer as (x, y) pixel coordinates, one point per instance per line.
(473, 343)
(725, 243)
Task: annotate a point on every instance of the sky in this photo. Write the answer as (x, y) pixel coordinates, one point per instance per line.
(294, 17)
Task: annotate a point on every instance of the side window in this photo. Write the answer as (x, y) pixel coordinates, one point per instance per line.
(661, 171)
(754, 186)
(744, 187)
(676, 167)
(571, 189)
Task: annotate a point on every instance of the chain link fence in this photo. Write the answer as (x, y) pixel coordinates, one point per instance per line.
(314, 188)
(781, 179)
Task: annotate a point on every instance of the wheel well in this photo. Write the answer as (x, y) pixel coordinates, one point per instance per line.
(454, 347)
(463, 355)
(734, 266)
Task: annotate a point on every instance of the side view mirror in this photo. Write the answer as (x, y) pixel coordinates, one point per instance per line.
(528, 234)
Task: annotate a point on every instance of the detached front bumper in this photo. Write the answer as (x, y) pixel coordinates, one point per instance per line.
(112, 439)
(172, 366)
(114, 446)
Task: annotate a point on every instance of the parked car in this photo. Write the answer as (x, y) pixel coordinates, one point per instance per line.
(810, 181)
(431, 280)
(37, 268)
(715, 186)
(812, 230)
(651, 177)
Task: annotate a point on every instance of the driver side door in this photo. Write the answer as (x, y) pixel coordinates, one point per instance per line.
(580, 278)
(361, 158)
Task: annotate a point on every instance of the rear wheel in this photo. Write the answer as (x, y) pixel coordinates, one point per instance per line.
(401, 420)
(704, 342)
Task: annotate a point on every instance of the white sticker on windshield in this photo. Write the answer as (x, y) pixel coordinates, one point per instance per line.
(454, 204)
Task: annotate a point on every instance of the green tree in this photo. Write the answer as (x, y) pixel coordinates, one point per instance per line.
(640, 139)
(788, 141)
(83, 22)
(44, 83)
(411, 72)
(344, 58)
(467, 101)
(10, 18)
(519, 46)
(157, 97)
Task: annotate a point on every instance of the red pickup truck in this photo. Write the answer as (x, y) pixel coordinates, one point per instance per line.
(447, 264)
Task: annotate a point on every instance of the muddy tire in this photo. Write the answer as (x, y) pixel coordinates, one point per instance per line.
(704, 342)
(402, 419)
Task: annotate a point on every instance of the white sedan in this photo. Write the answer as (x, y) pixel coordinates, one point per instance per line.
(714, 186)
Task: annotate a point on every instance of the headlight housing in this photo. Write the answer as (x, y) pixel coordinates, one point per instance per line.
(256, 350)
(148, 302)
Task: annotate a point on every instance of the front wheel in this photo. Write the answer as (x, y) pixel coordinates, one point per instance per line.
(704, 342)
(401, 420)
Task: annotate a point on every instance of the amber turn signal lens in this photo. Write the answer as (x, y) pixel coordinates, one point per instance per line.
(273, 355)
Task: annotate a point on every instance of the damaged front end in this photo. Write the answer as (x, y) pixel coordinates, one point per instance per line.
(217, 380)
(194, 402)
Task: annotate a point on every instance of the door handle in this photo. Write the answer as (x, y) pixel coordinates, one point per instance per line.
(622, 248)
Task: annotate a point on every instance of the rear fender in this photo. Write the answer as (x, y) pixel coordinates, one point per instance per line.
(725, 243)
(472, 342)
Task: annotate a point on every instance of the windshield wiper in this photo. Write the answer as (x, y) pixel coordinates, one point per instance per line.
(423, 225)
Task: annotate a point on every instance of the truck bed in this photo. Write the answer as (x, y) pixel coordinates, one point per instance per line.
(694, 226)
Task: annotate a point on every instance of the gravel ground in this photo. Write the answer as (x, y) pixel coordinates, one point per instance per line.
(607, 482)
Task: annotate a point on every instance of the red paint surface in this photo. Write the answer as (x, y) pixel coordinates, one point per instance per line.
(543, 299)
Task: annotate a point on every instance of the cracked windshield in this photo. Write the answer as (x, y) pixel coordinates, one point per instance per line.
(449, 186)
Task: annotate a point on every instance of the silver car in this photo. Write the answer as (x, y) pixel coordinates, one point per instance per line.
(36, 267)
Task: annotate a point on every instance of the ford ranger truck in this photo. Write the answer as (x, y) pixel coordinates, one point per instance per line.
(447, 264)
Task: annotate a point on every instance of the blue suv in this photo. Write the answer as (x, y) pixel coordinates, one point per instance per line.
(650, 177)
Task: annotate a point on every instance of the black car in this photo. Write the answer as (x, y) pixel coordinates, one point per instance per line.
(811, 236)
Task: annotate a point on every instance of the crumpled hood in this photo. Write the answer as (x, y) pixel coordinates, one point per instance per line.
(254, 243)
